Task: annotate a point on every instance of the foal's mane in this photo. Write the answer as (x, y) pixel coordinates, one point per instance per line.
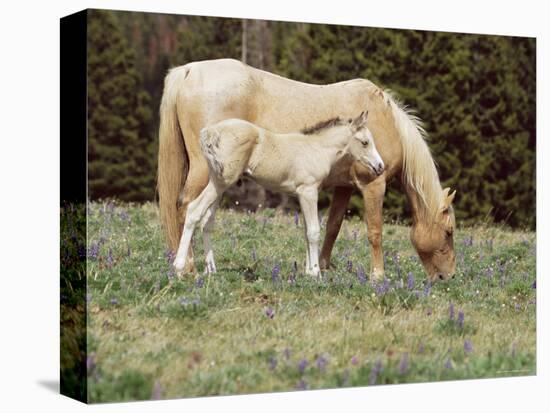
(325, 124)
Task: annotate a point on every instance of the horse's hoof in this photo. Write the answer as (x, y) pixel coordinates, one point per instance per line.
(325, 264)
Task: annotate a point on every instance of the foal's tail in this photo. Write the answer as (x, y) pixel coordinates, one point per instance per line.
(172, 158)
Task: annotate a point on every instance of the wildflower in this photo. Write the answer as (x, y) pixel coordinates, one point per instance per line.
(427, 289)
(296, 218)
(361, 275)
(93, 251)
(169, 255)
(468, 241)
(404, 364)
(200, 282)
(269, 312)
(452, 312)
(302, 364)
(272, 363)
(383, 288)
(287, 352)
(468, 347)
(349, 266)
(110, 259)
(157, 391)
(354, 233)
(374, 373)
(114, 301)
(354, 360)
(254, 257)
(410, 281)
(460, 319)
(90, 363)
(124, 216)
(517, 307)
(275, 273)
(321, 363)
(448, 364)
(302, 385)
(534, 285)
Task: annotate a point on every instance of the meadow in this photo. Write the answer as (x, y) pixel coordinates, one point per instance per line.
(261, 325)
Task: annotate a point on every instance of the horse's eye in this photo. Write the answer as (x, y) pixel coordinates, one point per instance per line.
(365, 143)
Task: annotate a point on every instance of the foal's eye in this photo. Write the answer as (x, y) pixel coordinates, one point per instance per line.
(365, 143)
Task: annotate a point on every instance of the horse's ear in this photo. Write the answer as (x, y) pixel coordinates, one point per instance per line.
(447, 199)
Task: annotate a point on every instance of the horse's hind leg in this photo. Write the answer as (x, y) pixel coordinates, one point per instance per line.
(196, 181)
(207, 225)
(196, 210)
(338, 206)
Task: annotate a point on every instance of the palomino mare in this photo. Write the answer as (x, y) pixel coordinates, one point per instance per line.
(294, 163)
(202, 93)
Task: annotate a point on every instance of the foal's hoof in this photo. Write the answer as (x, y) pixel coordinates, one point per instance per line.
(185, 270)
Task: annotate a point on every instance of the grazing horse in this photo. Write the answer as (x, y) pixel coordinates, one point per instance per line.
(294, 163)
(203, 93)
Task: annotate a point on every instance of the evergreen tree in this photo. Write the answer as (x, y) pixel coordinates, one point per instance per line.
(121, 154)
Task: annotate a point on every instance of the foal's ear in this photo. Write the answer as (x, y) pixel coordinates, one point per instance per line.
(360, 120)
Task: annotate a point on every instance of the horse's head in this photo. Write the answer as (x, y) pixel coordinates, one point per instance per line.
(361, 145)
(434, 241)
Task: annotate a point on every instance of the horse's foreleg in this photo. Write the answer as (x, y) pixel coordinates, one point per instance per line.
(338, 205)
(308, 203)
(373, 199)
(207, 225)
(195, 213)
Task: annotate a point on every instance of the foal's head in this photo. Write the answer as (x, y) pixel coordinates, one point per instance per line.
(361, 144)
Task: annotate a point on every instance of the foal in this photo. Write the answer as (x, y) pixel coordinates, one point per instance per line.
(294, 163)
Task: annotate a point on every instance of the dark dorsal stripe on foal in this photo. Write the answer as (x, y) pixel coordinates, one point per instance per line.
(330, 123)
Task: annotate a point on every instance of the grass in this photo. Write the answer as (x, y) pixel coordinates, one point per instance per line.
(260, 325)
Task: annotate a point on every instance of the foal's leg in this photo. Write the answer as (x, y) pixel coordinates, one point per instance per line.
(373, 199)
(338, 205)
(207, 225)
(195, 212)
(308, 202)
(308, 260)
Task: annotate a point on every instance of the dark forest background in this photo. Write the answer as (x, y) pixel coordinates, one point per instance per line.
(475, 93)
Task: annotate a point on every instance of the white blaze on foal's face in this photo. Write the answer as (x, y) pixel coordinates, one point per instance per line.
(362, 147)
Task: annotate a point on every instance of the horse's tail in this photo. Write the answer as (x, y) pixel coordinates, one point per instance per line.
(172, 158)
(419, 170)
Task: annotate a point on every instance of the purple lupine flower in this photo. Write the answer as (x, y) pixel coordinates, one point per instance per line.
(93, 251)
(460, 320)
(427, 289)
(517, 307)
(302, 364)
(534, 285)
(114, 301)
(321, 362)
(287, 352)
(171, 272)
(448, 364)
(361, 275)
(269, 312)
(468, 241)
(489, 272)
(156, 394)
(90, 363)
(395, 259)
(452, 312)
(383, 288)
(200, 282)
(110, 259)
(349, 266)
(296, 218)
(410, 281)
(468, 347)
(355, 360)
(124, 216)
(169, 255)
(376, 370)
(404, 364)
(272, 363)
(275, 273)
(302, 385)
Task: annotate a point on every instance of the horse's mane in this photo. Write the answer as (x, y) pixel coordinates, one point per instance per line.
(419, 168)
(325, 124)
